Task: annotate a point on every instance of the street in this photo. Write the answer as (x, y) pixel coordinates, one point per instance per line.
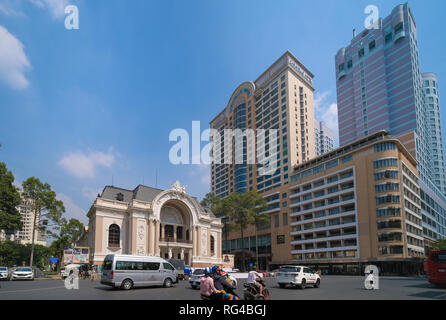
(332, 287)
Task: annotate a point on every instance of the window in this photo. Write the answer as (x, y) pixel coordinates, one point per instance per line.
(385, 146)
(168, 266)
(372, 45)
(389, 162)
(347, 158)
(399, 27)
(212, 245)
(331, 164)
(388, 37)
(341, 67)
(113, 236)
(349, 64)
(361, 53)
(280, 239)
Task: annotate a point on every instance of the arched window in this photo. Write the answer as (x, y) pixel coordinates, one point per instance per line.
(114, 235)
(187, 235)
(212, 245)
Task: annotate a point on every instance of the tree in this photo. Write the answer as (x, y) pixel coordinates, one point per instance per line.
(215, 203)
(45, 206)
(72, 230)
(439, 244)
(256, 211)
(69, 233)
(10, 218)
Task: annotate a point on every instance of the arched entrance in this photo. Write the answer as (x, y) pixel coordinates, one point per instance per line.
(175, 232)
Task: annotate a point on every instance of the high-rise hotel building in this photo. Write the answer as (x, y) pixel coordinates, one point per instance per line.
(430, 85)
(380, 87)
(324, 138)
(281, 98)
(355, 205)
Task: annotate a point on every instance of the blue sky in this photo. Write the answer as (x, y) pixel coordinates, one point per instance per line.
(82, 106)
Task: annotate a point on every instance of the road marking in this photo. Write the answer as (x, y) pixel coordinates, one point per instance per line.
(31, 289)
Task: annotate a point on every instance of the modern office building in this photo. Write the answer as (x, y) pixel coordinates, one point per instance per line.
(324, 138)
(355, 205)
(433, 120)
(280, 100)
(380, 87)
(24, 236)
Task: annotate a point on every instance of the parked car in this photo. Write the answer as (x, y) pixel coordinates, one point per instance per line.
(24, 273)
(274, 272)
(128, 271)
(195, 278)
(297, 276)
(4, 273)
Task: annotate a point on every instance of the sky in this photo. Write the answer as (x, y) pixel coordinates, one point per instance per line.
(88, 107)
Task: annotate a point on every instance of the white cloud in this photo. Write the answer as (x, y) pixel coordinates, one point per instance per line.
(13, 61)
(71, 209)
(56, 7)
(327, 112)
(16, 7)
(9, 8)
(84, 165)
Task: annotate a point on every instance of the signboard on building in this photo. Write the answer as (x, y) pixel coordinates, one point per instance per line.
(228, 261)
(76, 255)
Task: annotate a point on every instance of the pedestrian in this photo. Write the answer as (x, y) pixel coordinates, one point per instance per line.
(93, 274)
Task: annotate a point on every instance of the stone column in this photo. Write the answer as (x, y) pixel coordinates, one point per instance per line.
(194, 241)
(151, 237)
(199, 241)
(174, 233)
(162, 232)
(157, 238)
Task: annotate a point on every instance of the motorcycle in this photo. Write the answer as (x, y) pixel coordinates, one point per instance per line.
(251, 291)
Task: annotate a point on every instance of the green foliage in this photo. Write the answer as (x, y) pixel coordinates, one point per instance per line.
(439, 244)
(47, 209)
(15, 254)
(10, 218)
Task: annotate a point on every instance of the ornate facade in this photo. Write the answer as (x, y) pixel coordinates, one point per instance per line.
(149, 221)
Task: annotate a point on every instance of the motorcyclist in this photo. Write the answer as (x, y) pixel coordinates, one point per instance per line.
(222, 284)
(255, 279)
(207, 288)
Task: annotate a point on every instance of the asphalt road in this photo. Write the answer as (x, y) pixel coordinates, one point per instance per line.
(332, 287)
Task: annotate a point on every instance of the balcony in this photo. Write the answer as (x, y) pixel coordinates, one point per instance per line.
(173, 240)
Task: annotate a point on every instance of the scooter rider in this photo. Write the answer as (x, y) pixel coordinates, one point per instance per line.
(253, 278)
(207, 288)
(222, 284)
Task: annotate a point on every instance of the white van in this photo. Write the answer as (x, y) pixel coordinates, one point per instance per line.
(128, 271)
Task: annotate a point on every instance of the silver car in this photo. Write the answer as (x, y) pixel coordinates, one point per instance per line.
(4, 273)
(195, 278)
(128, 271)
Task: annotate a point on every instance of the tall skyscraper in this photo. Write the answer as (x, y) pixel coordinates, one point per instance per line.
(430, 85)
(280, 99)
(324, 138)
(380, 87)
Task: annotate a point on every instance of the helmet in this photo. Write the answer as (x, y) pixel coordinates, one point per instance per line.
(215, 268)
